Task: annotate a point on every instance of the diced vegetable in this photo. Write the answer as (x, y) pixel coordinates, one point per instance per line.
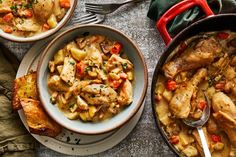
(222, 35)
(84, 116)
(174, 139)
(115, 83)
(8, 29)
(190, 151)
(78, 54)
(92, 73)
(28, 13)
(202, 105)
(80, 68)
(216, 138)
(171, 85)
(218, 146)
(130, 75)
(64, 3)
(92, 111)
(220, 86)
(46, 27)
(51, 66)
(114, 76)
(52, 21)
(8, 17)
(59, 68)
(59, 57)
(116, 48)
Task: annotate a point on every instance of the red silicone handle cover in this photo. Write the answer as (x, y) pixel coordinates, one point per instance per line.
(176, 10)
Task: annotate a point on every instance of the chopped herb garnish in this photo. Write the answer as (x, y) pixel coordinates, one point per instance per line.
(124, 65)
(101, 86)
(87, 69)
(28, 6)
(93, 96)
(72, 63)
(116, 65)
(14, 8)
(0, 1)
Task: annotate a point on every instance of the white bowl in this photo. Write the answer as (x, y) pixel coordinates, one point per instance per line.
(139, 87)
(42, 35)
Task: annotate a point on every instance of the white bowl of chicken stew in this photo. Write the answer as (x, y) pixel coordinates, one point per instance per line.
(92, 79)
(31, 20)
(204, 63)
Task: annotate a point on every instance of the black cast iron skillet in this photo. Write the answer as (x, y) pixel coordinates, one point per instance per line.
(210, 23)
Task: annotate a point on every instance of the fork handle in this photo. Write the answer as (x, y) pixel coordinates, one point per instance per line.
(131, 1)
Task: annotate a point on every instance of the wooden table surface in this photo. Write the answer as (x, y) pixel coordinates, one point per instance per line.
(145, 139)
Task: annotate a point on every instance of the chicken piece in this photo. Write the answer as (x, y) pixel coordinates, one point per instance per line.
(99, 94)
(43, 9)
(227, 124)
(200, 55)
(81, 103)
(37, 119)
(221, 102)
(116, 61)
(68, 71)
(56, 84)
(180, 103)
(78, 86)
(29, 25)
(5, 6)
(126, 94)
(93, 56)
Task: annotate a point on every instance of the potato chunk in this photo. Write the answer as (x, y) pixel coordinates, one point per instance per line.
(68, 71)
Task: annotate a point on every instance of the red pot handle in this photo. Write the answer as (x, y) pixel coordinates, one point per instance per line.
(176, 10)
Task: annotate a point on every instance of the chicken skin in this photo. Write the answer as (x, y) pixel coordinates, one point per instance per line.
(180, 103)
(198, 56)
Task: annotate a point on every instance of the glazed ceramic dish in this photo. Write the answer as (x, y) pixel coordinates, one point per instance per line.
(26, 21)
(139, 84)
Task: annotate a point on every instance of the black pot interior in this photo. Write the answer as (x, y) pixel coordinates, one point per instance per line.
(215, 23)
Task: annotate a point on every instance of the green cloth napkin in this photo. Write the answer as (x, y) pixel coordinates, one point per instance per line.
(159, 7)
(15, 141)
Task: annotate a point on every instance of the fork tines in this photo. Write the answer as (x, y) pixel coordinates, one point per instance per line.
(89, 18)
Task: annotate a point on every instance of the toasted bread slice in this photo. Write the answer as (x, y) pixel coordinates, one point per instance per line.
(37, 119)
(24, 87)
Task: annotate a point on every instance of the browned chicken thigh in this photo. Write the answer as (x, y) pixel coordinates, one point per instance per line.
(225, 113)
(180, 103)
(194, 57)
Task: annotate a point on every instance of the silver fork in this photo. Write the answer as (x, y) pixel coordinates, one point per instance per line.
(107, 8)
(89, 18)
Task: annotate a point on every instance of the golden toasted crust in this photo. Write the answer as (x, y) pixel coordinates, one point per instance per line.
(24, 87)
(37, 119)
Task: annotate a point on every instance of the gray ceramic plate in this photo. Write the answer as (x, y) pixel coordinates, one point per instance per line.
(69, 142)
